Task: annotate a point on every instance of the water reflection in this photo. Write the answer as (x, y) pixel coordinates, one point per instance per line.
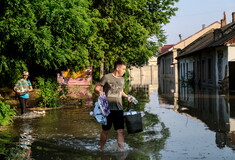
(145, 89)
(21, 148)
(166, 90)
(26, 139)
(71, 133)
(212, 108)
(205, 104)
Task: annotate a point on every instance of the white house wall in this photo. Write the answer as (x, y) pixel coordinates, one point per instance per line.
(231, 53)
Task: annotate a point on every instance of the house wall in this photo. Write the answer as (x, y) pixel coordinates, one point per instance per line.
(231, 53)
(168, 70)
(199, 68)
(186, 68)
(164, 63)
(152, 61)
(167, 58)
(231, 67)
(208, 68)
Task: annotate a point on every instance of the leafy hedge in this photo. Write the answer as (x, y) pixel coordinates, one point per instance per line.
(49, 92)
(6, 112)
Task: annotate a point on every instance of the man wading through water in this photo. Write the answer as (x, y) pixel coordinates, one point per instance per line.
(112, 85)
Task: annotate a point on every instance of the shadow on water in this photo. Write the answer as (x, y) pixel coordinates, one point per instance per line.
(71, 133)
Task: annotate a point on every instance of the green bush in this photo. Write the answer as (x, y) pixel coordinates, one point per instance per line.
(6, 112)
(49, 92)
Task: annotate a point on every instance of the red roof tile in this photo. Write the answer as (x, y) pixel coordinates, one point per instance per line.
(165, 48)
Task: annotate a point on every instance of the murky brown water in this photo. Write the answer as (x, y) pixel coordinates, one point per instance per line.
(201, 127)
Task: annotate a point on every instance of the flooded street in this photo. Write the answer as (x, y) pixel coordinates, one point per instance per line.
(190, 137)
(189, 126)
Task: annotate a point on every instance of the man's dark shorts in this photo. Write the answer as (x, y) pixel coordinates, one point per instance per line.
(116, 118)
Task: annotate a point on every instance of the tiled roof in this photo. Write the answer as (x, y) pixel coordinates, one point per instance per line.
(184, 43)
(200, 43)
(228, 33)
(207, 40)
(165, 49)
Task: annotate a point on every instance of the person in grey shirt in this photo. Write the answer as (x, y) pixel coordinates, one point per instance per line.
(112, 86)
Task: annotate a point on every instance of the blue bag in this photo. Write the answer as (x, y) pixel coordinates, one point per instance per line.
(98, 114)
(101, 110)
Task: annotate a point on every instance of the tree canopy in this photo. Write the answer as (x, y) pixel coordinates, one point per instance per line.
(129, 25)
(47, 36)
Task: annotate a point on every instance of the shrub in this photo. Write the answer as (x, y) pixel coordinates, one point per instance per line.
(6, 112)
(49, 92)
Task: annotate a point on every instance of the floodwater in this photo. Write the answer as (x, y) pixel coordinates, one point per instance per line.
(195, 124)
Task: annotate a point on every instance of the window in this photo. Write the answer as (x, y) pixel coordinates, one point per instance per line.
(187, 70)
(209, 70)
(220, 64)
(194, 68)
(203, 70)
(183, 71)
(163, 66)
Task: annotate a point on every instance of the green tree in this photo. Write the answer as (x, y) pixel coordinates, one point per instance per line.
(44, 36)
(127, 26)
